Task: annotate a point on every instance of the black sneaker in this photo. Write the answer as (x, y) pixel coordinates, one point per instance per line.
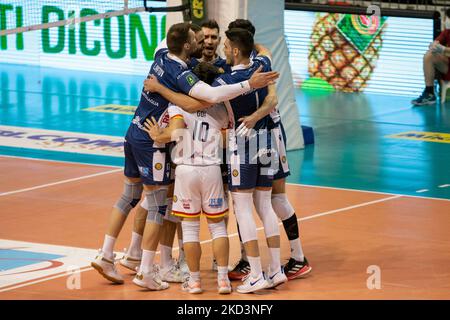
(295, 269)
(240, 270)
(424, 99)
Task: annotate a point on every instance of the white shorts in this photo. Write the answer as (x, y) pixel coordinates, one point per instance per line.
(197, 189)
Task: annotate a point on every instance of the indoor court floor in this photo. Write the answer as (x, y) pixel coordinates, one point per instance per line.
(372, 193)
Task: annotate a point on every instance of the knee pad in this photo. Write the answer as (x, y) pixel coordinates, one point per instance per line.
(282, 206)
(263, 205)
(157, 205)
(191, 231)
(169, 216)
(243, 210)
(218, 230)
(130, 197)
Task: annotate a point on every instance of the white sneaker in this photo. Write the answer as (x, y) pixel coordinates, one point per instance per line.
(150, 280)
(194, 287)
(107, 268)
(253, 284)
(224, 286)
(182, 265)
(172, 274)
(130, 262)
(276, 278)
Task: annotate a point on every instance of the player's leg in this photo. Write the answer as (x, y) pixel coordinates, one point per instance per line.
(187, 205)
(155, 174)
(104, 262)
(215, 208)
(132, 258)
(263, 205)
(297, 265)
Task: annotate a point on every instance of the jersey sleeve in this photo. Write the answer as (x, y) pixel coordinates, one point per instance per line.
(175, 112)
(264, 61)
(186, 81)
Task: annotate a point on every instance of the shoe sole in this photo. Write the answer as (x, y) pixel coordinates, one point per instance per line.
(277, 284)
(128, 267)
(235, 277)
(143, 285)
(299, 276)
(100, 270)
(251, 291)
(225, 291)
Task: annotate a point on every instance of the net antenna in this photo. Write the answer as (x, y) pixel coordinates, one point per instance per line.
(112, 8)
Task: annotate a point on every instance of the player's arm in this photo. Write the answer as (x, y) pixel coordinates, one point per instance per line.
(212, 95)
(185, 102)
(269, 104)
(165, 135)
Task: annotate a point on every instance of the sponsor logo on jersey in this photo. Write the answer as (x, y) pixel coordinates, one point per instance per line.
(158, 166)
(144, 171)
(190, 79)
(216, 202)
(283, 159)
(235, 173)
(175, 198)
(186, 204)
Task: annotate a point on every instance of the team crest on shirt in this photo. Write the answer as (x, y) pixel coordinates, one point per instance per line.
(235, 173)
(175, 198)
(158, 166)
(216, 202)
(283, 159)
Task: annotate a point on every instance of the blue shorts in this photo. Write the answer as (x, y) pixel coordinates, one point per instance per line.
(152, 166)
(253, 170)
(280, 138)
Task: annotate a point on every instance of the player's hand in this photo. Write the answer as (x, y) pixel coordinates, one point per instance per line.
(262, 79)
(152, 128)
(438, 49)
(151, 84)
(248, 123)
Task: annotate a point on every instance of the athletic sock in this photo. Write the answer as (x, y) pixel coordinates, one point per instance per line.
(222, 273)
(108, 247)
(194, 276)
(147, 261)
(296, 250)
(135, 249)
(255, 266)
(429, 89)
(275, 264)
(166, 256)
(180, 250)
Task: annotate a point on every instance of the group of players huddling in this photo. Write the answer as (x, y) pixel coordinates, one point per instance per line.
(205, 125)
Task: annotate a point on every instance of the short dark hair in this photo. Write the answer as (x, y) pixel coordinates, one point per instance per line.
(177, 36)
(206, 72)
(211, 24)
(447, 13)
(242, 39)
(243, 24)
(195, 27)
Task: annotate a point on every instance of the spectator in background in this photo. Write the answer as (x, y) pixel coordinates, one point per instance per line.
(436, 59)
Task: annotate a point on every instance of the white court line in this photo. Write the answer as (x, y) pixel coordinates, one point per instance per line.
(229, 236)
(365, 191)
(59, 182)
(289, 183)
